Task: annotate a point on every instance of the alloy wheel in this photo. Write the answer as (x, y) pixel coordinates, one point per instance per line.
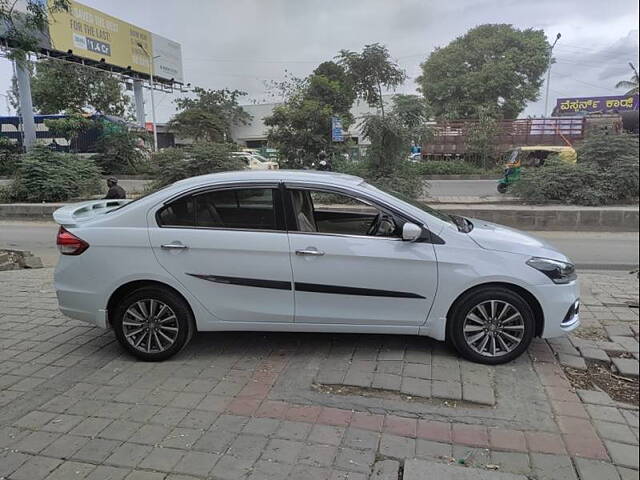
(493, 328)
(150, 326)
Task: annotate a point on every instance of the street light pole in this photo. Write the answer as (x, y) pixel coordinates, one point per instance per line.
(153, 103)
(546, 95)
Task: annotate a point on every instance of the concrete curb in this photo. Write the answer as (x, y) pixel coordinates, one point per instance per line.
(559, 218)
(524, 217)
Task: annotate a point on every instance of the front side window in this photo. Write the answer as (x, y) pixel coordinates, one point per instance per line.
(335, 213)
(242, 208)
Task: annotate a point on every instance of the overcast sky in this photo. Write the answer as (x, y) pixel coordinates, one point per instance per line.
(244, 43)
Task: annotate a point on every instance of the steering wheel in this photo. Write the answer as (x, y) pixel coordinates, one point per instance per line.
(375, 224)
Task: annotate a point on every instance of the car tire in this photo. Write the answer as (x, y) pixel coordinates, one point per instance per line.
(169, 324)
(497, 314)
(502, 188)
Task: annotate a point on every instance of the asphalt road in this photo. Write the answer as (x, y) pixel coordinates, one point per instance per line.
(590, 250)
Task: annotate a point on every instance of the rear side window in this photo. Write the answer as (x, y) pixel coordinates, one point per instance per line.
(247, 208)
(181, 213)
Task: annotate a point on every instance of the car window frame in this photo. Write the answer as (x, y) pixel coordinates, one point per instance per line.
(278, 206)
(291, 219)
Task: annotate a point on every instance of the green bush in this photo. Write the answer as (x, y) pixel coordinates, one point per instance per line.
(46, 176)
(9, 156)
(173, 164)
(585, 183)
(405, 178)
(604, 151)
(121, 152)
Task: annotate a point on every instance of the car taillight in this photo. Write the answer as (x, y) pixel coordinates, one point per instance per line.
(69, 244)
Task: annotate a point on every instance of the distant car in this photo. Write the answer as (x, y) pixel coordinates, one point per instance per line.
(302, 251)
(255, 161)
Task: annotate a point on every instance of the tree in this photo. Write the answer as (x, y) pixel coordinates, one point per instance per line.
(481, 141)
(632, 84)
(491, 66)
(371, 70)
(210, 116)
(70, 127)
(23, 28)
(65, 87)
(413, 112)
(301, 126)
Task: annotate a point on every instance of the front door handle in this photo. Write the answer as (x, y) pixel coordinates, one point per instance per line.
(310, 251)
(173, 246)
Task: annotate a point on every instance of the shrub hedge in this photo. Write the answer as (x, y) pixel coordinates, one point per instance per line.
(606, 172)
(43, 175)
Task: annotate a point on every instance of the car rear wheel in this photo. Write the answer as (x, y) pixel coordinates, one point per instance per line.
(153, 323)
(491, 325)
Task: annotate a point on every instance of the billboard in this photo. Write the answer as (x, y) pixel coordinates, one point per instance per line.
(92, 34)
(608, 104)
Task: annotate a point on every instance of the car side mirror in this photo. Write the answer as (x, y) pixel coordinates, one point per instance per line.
(411, 232)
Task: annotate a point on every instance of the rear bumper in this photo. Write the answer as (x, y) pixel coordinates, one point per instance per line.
(81, 306)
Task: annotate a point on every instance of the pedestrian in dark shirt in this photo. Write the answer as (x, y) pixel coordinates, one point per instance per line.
(115, 191)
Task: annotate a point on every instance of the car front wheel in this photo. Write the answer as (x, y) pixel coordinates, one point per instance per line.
(152, 323)
(491, 325)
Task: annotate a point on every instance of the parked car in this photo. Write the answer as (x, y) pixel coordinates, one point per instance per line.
(302, 251)
(255, 161)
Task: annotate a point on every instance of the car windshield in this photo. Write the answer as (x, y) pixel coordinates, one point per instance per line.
(418, 204)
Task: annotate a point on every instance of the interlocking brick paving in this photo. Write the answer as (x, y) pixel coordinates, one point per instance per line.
(74, 405)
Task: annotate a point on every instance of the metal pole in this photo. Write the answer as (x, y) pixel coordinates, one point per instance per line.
(153, 103)
(26, 103)
(153, 112)
(546, 96)
(139, 99)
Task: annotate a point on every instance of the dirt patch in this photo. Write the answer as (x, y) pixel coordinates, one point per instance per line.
(620, 354)
(599, 376)
(591, 333)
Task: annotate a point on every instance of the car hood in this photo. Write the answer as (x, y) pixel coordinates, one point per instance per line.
(492, 236)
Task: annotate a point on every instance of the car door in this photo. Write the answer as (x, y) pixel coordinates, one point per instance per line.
(229, 248)
(345, 275)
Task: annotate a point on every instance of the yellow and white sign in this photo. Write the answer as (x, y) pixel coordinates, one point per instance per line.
(92, 34)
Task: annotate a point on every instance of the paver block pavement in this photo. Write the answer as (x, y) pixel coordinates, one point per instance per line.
(627, 366)
(552, 467)
(595, 470)
(594, 397)
(385, 470)
(572, 361)
(623, 454)
(595, 354)
(417, 469)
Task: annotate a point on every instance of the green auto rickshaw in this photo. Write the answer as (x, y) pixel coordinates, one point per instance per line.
(531, 157)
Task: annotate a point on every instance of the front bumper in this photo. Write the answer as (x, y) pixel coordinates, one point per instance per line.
(560, 306)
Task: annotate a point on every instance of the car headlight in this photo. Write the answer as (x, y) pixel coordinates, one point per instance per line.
(558, 272)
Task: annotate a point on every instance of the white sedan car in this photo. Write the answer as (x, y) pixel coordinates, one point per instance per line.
(299, 251)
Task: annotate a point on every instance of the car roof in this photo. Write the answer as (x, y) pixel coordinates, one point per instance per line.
(305, 176)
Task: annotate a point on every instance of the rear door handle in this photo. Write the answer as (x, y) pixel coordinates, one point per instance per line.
(310, 251)
(173, 246)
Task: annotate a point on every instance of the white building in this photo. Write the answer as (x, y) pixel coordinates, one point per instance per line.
(254, 134)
